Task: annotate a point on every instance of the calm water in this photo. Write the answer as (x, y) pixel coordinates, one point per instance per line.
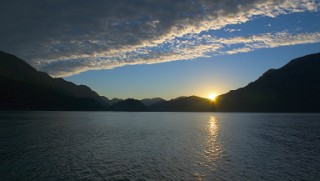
(159, 146)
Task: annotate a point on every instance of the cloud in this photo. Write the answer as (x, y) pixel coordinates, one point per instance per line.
(68, 37)
(185, 49)
(231, 30)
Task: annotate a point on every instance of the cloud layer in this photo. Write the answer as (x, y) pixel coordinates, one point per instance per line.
(68, 37)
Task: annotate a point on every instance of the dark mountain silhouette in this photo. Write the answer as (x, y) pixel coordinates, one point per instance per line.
(293, 88)
(114, 100)
(184, 104)
(110, 102)
(25, 88)
(151, 101)
(131, 105)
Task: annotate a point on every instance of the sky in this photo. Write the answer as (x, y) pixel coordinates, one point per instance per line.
(159, 48)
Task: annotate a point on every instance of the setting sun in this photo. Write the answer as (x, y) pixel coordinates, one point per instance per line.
(212, 96)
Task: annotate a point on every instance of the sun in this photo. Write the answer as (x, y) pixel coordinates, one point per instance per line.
(212, 96)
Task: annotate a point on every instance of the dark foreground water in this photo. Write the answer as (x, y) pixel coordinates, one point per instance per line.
(158, 146)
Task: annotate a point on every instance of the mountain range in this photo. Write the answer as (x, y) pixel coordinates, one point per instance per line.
(293, 88)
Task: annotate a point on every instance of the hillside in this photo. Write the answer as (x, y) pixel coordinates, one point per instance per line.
(25, 88)
(294, 87)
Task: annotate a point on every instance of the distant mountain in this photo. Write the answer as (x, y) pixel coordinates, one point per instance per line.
(293, 88)
(131, 105)
(151, 101)
(25, 88)
(184, 104)
(114, 100)
(110, 102)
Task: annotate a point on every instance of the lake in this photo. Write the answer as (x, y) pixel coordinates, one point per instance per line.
(159, 146)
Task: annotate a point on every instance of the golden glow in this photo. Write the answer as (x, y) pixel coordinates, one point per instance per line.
(213, 126)
(213, 149)
(212, 96)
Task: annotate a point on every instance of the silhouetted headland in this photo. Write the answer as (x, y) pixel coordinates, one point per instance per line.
(294, 87)
(25, 88)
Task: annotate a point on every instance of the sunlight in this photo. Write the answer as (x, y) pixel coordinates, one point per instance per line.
(213, 149)
(212, 96)
(213, 126)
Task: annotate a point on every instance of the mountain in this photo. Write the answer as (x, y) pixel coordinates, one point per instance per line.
(131, 105)
(25, 88)
(184, 104)
(114, 100)
(150, 101)
(294, 87)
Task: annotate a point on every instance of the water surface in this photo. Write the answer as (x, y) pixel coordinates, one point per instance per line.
(159, 146)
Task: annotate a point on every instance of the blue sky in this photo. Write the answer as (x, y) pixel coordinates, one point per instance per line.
(196, 77)
(162, 48)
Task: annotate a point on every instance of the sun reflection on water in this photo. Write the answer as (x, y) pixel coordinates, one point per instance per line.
(213, 126)
(213, 150)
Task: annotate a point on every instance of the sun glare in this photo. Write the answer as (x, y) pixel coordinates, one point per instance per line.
(212, 96)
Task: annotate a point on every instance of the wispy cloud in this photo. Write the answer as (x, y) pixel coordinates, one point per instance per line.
(68, 37)
(198, 46)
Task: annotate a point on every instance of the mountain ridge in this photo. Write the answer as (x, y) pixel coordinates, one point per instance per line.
(291, 88)
(184, 104)
(19, 80)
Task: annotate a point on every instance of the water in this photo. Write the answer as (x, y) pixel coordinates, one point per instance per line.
(158, 146)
